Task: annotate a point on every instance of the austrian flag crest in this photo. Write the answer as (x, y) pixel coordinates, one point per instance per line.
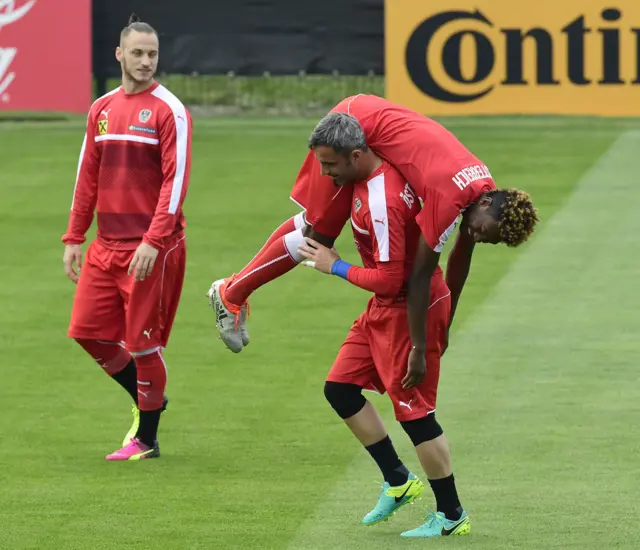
(145, 115)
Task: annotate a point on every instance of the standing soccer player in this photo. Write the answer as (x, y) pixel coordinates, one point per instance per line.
(134, 171)
(375, 353)
(446, 177)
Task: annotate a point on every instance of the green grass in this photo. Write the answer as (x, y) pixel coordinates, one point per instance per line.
(250, 447)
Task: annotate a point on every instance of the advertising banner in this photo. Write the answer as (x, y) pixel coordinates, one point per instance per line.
(45, 55)
(463, 57)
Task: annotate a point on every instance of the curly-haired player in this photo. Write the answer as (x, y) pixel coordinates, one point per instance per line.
(447, 178)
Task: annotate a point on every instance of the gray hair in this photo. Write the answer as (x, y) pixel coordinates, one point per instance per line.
(341, 132)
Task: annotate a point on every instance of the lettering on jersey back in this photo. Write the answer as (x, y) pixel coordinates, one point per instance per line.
(468, 175)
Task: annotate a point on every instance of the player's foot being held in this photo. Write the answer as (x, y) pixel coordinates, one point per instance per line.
(437, 525)
(135, 412)
(230, 319)
(392, 498)
(135, 450)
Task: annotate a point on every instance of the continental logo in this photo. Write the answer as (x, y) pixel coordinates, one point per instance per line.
(493, 55)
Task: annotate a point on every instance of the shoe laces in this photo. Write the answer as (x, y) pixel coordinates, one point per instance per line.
(433, 517)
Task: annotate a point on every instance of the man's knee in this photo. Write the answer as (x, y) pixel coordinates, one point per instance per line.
(346, 399)
(310, 232)
(111, 356)
(422, 429)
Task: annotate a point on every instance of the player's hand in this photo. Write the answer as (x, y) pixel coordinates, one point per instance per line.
(319, 256)
(416, 369)
(72, 261)
(143, 261)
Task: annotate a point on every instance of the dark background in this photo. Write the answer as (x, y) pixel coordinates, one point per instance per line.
(249, 37)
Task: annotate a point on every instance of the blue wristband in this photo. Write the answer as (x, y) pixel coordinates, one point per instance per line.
(340, 268)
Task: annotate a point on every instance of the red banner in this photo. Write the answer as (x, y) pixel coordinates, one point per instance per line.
(45, 55)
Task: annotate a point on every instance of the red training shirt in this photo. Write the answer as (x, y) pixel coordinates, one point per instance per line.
(133, 170)
(386, 234)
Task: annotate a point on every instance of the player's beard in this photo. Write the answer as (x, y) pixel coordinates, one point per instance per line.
(131, 75)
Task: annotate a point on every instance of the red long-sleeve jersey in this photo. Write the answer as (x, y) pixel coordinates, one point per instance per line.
(383, 218)
(133, 170)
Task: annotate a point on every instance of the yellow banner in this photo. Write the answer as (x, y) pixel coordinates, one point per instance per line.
(461, 57)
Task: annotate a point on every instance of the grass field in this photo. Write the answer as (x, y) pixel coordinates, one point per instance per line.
(539, 393)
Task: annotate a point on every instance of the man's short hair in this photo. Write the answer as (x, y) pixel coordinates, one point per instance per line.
(341, 132)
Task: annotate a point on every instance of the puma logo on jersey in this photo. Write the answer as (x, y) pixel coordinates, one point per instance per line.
(408, 405)
(147, 333)
(105, 113)
(381, 220)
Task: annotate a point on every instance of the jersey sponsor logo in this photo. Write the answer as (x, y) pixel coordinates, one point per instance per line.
(9, 14)
(380, 221)
(144, 129)
(408, 196)
(144, 115)
(103, 127)
(358, 204)
(468, 175)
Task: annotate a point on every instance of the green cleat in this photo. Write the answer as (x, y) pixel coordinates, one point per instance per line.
(392, 498)
(437, 525)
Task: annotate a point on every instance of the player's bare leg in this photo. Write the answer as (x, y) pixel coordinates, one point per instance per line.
(279, 255)
(433, 451)
(400, 486)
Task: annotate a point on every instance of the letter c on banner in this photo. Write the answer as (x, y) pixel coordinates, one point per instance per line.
(419, 71)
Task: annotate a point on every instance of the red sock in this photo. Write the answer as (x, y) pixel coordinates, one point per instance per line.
(287, 227)
(271, 262)
(111, 356)
(152, 380)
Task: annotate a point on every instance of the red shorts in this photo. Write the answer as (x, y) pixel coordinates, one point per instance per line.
(376, 351)
(110, 305)
(327, 206)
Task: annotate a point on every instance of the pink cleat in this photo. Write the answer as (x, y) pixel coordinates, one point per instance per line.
(135, 450)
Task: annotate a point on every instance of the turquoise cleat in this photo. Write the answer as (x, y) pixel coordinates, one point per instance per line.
(392, 498)
(437, 525)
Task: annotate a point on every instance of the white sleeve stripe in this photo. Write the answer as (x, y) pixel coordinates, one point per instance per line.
(445, 236)
(379, 218)
(350, 102)
(182, 143)
(75, 187)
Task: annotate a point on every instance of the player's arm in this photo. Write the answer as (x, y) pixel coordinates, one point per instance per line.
(175, 148)
(437, 220)
(458, 266)
(419, 294)
(85, 192)
(83, 204)
(387, 277)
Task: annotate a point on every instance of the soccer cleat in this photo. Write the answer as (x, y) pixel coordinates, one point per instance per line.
(392, 498)
(136, 450)
(135, 412)
(439, 526)
(230, 319)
